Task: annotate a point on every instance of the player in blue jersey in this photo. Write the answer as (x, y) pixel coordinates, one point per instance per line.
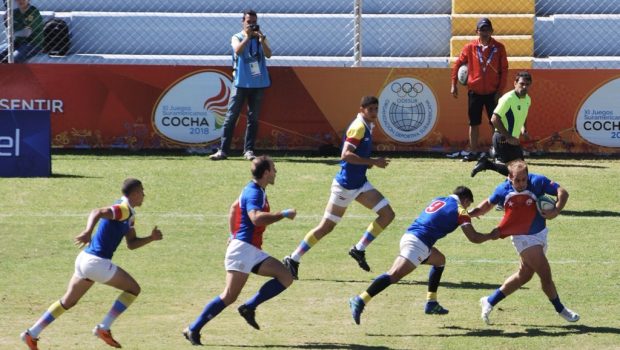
(351, 184)
(94, 264)
(442, 216)
(528, 231)
(249, 216)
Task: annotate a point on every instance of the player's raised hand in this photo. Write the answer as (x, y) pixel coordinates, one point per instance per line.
(156, 234)
(82, 239)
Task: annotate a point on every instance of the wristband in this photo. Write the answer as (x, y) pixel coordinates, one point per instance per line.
(285, 212)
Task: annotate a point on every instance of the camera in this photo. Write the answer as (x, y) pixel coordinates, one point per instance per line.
(254, 27)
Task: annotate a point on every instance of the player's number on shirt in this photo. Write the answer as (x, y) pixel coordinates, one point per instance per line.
(435, 206)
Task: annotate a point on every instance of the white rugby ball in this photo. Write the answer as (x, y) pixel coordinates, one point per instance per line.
(544, 203)
(461, 76)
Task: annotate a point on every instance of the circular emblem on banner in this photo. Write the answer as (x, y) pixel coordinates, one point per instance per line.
(407, 110)
(598, 119)
(192, 110)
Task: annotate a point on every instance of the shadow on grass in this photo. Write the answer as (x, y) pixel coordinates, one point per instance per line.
(558, 165)
(591, 213)
(448, 285)
(307, 346)
(73, 176)
(529, 331)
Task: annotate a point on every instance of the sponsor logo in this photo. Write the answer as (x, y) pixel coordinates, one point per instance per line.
(54, 106)
(598, 119)
(10, 144)
(407, 110)
(193, 109)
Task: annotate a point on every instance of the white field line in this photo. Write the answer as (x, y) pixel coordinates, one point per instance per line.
(215, 215)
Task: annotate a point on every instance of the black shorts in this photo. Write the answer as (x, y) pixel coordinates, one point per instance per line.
(505, 152)
(476, 103)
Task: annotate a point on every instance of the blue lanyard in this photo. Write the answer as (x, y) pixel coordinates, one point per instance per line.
(485, 65)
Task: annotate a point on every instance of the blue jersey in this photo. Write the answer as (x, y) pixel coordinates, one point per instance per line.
(359, 134)
(110, 232)
(250, 67)
(520, 214)
(253, 197)
(442, 216)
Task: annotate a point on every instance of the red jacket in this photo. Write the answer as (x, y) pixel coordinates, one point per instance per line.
(479, 80)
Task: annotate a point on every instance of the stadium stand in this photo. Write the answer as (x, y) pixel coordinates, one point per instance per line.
(395, 33)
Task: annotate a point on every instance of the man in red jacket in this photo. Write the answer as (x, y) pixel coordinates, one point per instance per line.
(487, 66)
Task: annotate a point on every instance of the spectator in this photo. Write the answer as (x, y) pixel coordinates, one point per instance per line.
(28, 33)
(487, 66)
(250, 78)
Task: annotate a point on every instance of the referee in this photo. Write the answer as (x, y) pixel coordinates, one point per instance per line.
(509, 119)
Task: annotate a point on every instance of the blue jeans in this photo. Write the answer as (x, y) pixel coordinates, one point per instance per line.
(238, 96)
(21, 52)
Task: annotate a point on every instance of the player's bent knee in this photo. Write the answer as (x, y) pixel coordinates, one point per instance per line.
(329, 226)
(286, 280)
(382, 204)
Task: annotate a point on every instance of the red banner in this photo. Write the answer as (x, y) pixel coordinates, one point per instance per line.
(157, 107)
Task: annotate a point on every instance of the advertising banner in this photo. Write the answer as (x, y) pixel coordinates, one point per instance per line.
(306, 108)
(25, 143)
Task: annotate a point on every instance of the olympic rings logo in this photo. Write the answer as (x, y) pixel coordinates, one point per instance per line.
(406, 89)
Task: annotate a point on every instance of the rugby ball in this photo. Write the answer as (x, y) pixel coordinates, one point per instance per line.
(461, 76)
(544, 203)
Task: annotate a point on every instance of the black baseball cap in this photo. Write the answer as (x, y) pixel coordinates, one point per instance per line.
(482, 22)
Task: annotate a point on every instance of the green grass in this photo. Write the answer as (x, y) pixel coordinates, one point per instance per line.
(188, 198)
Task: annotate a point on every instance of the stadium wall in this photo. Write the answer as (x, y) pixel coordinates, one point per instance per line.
(307, 108)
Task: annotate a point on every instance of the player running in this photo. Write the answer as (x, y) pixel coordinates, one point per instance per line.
(94, 264)
(442, 216)
(249, 217)
(528, 231)
(351, 184)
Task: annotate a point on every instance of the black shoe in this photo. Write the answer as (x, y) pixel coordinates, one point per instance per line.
(292, 266)
(360, 257)
(470, 157)
(249, 315)
(482, 165)
(193, 337)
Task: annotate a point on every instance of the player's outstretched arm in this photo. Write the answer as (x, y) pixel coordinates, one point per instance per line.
(261, 218)
(134, 242)
(481, 209)
(477, 237)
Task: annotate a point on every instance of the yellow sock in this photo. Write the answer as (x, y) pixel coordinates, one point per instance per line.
(365, 297)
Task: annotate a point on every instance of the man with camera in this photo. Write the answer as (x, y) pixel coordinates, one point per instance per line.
(250, 78)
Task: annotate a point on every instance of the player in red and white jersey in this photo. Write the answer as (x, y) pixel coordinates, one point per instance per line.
(528, 232)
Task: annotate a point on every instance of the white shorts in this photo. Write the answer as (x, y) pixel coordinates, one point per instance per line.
(413, 249)
(242, 256)
(343, 197)
(522, 242)
(94, 268)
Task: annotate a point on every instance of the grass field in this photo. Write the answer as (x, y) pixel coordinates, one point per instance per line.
(188, 198)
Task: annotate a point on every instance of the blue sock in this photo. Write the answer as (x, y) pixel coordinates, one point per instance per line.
(379, 284)
(267, 291)
(212, 309)
(557, 304)
(434, 276)
(496, 297)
